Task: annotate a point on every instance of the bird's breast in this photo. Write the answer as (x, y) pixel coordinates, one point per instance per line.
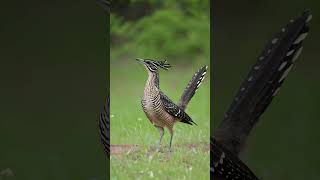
(151, 101)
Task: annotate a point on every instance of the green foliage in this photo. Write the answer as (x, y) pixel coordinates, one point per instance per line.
(175, 31)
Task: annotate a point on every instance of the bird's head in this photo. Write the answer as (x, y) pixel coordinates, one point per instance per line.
(153, 65)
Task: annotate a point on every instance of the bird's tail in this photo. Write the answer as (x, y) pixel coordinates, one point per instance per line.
(225, 164)
(262, 83)
(192, 87)
(104, 126)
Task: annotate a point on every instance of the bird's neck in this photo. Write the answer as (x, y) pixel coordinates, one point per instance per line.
(153, 80)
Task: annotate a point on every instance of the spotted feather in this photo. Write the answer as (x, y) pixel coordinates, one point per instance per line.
(225, 165)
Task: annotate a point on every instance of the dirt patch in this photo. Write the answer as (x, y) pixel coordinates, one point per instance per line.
(123, 149)
(204, 147)
(129, 148)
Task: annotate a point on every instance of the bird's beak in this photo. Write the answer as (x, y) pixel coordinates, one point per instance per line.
(140, 60)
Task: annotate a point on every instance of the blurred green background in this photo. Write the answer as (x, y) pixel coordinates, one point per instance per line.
(178, 31)
(285, 143)
(53, 76)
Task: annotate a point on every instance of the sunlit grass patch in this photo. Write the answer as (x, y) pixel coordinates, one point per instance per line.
(145, 163)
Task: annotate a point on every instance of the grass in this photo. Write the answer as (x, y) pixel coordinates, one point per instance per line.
(129, 125)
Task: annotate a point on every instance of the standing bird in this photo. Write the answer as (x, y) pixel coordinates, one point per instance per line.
(255, 95)
(159, 109)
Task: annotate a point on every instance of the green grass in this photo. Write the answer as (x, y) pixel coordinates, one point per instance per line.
(129, 125)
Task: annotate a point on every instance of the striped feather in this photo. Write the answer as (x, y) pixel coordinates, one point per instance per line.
(192, 87)
(104, 126)
(164, 64)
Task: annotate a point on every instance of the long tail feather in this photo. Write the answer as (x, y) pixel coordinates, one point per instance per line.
(192, 87)
(262, 83)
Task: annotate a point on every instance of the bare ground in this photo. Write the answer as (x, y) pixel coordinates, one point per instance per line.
(130, 148)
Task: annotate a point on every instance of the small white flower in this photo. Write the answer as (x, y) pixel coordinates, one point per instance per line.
(150, 158)
(151, 174)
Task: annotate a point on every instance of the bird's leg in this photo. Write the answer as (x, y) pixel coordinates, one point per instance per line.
(171, 136)
(161, 131)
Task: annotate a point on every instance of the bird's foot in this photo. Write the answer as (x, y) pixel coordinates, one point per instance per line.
(170, 153)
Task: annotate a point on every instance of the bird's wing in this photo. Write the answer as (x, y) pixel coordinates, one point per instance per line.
(174, 110)
(262, 83)
(104, 126)
(192, 87)
(226, 165)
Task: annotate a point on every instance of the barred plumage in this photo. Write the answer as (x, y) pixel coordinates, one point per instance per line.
(192, 87)
(159, 109)
(104, 126)
(256, 93)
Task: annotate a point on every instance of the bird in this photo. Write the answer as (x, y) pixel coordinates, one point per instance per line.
(254, 96)
(159, 109)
